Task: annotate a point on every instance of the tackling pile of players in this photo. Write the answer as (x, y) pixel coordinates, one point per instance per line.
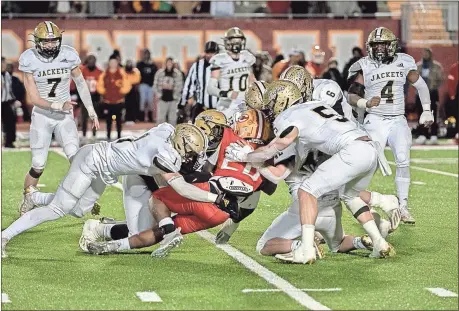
(197, 176)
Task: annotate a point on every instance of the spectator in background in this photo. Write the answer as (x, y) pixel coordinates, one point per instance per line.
(368, 7)
(278, 7)
(222, 8)
(101, 8)
(299, 7)
(318, 7)
(343, 8)
(302, 61)
(177, 66)
(19, 91)
(185, 7)
(124, 7)
(79, 7)
(356, 55)
(452, 108)
(316, 60)
(132, 101)
(277, 59)
(91, 74)
(168, 86)
(113, 85)
(432, 72)
(332, 73)
(294, 58)
(9, 104)
(260, 70)
(267, 59)
(202, 8)
(147, 70)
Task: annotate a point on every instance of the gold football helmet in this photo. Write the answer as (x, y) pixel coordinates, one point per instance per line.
(281, 95)
(382, 44)
(212, 123)
(48, 39)
(301, 78)
(190, 142)
(234, 40)
(254, 127)
(254, 95)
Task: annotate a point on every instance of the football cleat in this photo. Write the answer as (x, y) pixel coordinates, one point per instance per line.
(367, 242)
(112, 221)
(98, 248)
(299, 255)
(4, 242)
(89, 234)
(222, 237)
(170, 241)
(27, 202)
(405, 216)
(227, 230)
(382, 250)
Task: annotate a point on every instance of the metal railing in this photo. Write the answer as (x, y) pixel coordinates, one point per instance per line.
(196, 16)
(416, 18)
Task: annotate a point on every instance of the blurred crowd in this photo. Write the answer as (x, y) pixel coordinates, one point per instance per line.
(214, 8)
(133, 92)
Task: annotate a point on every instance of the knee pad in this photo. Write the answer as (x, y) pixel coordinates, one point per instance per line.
(35, 172)
(402, 159)
(356, 206)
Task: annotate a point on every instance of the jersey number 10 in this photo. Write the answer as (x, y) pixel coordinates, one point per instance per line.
(242, 83)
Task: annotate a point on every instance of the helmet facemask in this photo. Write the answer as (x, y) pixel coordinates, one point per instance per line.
(382, 51)
(235, 44)
(48, 48)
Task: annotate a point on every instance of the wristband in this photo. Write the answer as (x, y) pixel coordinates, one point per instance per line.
(426, 107)
(362, 103)
(223, 94)
(56, 106)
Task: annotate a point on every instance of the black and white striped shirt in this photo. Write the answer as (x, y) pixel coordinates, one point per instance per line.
(195, 85)
(7, 87)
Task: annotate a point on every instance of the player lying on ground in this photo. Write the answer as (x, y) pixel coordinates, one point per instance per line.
(378, 82)
(160, 151)
(280, 237)
(47, 69)
(354, 159)
(233, 179)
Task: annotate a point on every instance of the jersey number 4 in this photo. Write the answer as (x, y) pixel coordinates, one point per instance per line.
(56, 81)
(242, 83)
(386, 92)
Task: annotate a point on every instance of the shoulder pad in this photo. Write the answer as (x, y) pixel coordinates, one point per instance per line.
(248, 57)
(356, 67)
(26, 60)
(219, 59)
(406, 58)
(167, 159)
(71, 55)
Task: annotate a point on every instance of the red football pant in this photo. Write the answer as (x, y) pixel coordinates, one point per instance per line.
(191, 216)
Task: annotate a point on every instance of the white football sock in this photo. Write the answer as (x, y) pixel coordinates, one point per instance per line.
(357, 242)
(104, 230)
(29, 220)
(307, 235)
(165, 221)
(124, 244)
(402, 180)
(371, 228)
(42, 198)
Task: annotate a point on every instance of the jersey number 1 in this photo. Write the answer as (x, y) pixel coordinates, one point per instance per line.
(386, 92)
(56, 81)
(242, 83)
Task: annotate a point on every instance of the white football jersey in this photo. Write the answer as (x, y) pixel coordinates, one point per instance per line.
(52, 77)
(320, 127)
(296, 163)
(150, 154)
(386, 81)
(234, 73)
(330, 92)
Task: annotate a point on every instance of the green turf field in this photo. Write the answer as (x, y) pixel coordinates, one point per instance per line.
(46, 270)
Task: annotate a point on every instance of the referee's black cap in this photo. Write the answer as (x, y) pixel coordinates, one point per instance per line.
(211, 47)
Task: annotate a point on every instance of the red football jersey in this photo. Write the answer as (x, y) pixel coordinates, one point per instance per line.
(91, 78)
(242, 171)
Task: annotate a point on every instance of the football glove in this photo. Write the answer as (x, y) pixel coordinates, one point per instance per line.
(228, 204)
(236, 153)
(426, 118)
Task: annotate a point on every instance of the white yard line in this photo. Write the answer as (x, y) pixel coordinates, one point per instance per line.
(269, 290)
(429, 170)
(5, 298)
(430, 148)
(149, 297)
(441, 292)
(269, 276)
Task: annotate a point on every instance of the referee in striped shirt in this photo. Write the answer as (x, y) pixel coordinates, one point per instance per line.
(194, 90)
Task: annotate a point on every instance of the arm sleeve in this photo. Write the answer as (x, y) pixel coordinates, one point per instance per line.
(191, 192)
(424, 94)
(212, 87)
(353, 71)
(85, 95)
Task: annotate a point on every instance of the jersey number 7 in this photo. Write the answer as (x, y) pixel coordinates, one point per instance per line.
(56, 81)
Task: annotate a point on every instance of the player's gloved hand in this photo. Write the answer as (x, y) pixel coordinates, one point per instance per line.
(229, 205)
(236, 153)
(373, 102)
(426, 118)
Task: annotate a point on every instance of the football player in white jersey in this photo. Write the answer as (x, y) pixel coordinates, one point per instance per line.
(231, 73)
(161, 151)
(377, 86)
(47, 69)
(354, 159)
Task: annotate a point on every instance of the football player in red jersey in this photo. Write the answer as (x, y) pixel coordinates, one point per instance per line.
(231, 179)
